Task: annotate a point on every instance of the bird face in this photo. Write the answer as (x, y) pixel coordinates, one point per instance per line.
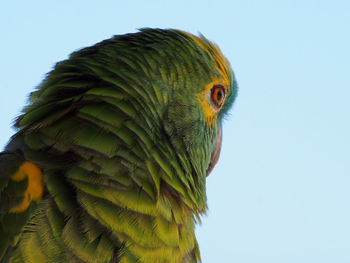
(212, 99)
(195, 111)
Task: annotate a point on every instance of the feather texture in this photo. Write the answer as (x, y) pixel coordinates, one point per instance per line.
(124, 147)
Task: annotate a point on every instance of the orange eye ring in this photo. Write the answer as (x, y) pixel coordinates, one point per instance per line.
(218, 95)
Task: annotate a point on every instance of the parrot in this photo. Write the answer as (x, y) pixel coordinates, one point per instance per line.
(109, 160)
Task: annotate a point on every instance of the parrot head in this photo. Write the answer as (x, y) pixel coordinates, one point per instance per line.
(172, 90)
(201, 99)
(199, 88)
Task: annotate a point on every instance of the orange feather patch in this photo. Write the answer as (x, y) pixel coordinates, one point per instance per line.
(35, 186)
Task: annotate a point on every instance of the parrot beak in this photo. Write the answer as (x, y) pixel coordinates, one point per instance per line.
(215, 154)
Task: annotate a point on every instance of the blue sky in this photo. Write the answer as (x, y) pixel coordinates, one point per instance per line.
(281, 190)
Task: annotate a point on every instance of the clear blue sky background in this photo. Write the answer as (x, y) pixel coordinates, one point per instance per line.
(281, 190)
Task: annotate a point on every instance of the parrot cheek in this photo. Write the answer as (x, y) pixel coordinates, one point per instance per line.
(215, 154)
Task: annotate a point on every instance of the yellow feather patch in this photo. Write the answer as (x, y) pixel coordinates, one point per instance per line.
(210, 112)
(35, 186)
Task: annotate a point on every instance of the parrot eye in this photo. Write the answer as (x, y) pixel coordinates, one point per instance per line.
(218, 94)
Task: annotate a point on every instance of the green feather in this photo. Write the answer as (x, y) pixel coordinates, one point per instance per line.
(123, 136)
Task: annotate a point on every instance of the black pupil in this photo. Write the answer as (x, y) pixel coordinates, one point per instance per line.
(219, 95)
